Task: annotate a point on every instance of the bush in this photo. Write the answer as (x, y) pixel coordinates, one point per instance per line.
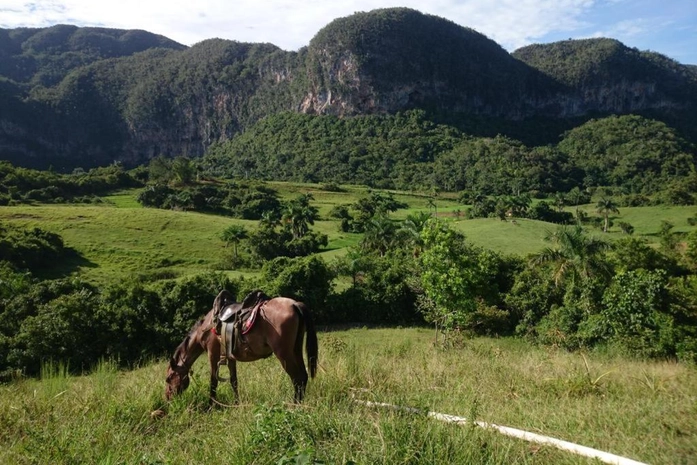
(307, 279)
(542, 211)
(31, 249)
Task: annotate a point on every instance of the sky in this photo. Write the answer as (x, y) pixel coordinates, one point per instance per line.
(664, 26)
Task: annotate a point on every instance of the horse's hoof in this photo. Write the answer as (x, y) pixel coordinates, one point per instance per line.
(157, 414)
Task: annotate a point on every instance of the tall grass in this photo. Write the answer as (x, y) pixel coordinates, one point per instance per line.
(643, 410)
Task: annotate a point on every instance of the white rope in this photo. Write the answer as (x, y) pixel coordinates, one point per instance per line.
(517, 433)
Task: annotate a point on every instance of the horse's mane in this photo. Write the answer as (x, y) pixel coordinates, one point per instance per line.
(183, 348)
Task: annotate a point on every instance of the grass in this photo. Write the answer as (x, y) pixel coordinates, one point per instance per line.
(120, 238)
(117, 242)
(643, 410)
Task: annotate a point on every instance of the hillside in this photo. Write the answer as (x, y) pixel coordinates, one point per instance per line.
(88, 96)
(105, 417)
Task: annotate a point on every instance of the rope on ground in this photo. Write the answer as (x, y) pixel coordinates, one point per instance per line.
(605, 457)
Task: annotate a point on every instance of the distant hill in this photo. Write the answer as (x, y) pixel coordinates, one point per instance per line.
(83, 97)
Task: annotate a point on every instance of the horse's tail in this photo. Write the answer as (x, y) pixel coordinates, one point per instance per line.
(311, 347)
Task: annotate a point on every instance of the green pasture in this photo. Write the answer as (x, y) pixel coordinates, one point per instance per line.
(642, 410)
(120, 238)
(117, 242)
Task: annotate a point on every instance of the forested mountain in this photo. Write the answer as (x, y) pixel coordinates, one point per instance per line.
(84, 97)
(407, 151)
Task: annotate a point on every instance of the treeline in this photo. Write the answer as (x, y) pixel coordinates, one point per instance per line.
(579, 293)
(23, 185)
(632, 154)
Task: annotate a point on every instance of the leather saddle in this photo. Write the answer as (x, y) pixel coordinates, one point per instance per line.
(237, 319)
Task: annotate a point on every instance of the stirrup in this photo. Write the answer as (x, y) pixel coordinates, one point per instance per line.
(222, 361)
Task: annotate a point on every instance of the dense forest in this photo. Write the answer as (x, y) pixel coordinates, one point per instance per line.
(407, 151)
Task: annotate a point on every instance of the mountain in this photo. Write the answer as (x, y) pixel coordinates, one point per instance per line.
(88, 96)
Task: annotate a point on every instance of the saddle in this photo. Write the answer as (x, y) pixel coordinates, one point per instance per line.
(235, 320)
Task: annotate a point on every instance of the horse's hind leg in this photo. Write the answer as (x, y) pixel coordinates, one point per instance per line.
(294, 365)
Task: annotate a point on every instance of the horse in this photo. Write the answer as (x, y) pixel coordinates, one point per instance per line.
(279, 329)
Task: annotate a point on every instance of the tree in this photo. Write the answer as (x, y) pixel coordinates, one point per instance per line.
(626, 227)
(269, 219)
(411, 228)
(519, 204)
(234, 233)
(575, 256)
(380, 235)
(183, 170)
(576, 197)
(455, 277)
(299, 214)
(605, 206)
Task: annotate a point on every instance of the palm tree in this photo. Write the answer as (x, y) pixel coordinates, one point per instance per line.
(432, 205)
(605, 206)
(234, 233)
(270, 219)
(575, 257)
(380, 234)
(183, 170)
(298, 214)
(411, 230)
(519, 204)
(575, 197)
(299, 217)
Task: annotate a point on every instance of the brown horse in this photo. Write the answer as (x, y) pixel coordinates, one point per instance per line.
(279, 330)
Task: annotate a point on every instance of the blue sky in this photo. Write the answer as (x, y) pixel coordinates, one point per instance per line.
(668, 27)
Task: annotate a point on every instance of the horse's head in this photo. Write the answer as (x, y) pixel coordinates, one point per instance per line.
(177, 379)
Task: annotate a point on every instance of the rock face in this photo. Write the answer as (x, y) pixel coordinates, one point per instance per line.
(82, 97)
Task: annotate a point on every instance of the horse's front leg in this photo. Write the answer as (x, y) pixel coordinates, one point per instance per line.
(213, 358)
(232, 366)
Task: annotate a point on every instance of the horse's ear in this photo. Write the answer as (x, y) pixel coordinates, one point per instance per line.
(172, 363)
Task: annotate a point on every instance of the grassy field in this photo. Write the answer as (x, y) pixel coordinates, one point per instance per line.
(120, 238)
(643, 410)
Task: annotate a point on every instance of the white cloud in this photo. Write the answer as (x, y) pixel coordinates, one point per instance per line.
(291, 24)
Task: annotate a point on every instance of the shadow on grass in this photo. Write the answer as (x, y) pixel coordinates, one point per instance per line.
(69, 263)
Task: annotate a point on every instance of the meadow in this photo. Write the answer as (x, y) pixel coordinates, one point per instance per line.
(120, 238)
(642, 410)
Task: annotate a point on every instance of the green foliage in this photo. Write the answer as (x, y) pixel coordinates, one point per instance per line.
(542, 211)
(455, 277)
(79, 324)
(532, 296)
(32, 249)
(634, 314)
(241, 200)
(639, 155)
(380, 151)
(383, 290)
(630, 253)
(308, 279)
(22, 185)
